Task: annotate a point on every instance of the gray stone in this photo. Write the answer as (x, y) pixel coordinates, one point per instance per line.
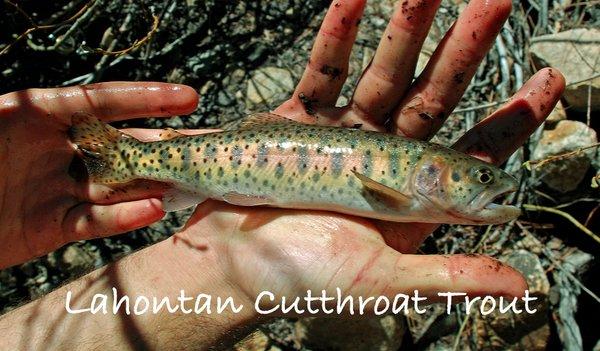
(557, 114)
(512, 331)
(564, 174)
(77, 259)
(576, 54)
(566, 299)
(375, 333)
(256, 341)
(268, 85)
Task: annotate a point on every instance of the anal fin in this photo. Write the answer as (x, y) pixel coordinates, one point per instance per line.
(176, 199)
(246, 200)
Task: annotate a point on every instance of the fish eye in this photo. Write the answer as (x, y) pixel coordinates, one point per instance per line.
(484, 175)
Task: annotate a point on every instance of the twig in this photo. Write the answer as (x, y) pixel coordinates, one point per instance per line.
(36, 27)
(78, 22)
(564, 40)
(584, 79)
(589, 105)
(583, 199)
(530, 207)
(503, 86)
(479, 107)
(483, 239)
(460, 331)
(591, 215)
(135, 45)
(539, 163)
(543, 16)
(554, 261)
(582, 3)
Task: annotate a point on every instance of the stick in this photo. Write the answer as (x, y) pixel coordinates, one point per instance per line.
(530, 207)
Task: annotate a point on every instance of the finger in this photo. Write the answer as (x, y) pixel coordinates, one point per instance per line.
(327, 67)
(496, 137)
(441, 85)
(88, 221)
(113, 194)
(385, 81)
(388, 273)
(493, 140)
(109, 101)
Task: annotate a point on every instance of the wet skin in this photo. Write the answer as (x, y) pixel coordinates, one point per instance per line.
(285, 251)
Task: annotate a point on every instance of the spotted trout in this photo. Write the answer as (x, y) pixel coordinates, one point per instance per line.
(273, 161)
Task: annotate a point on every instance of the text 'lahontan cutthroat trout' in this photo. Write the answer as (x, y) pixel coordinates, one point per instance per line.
(270, 160)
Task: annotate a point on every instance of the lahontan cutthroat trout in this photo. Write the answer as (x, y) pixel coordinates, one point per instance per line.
(273, 161)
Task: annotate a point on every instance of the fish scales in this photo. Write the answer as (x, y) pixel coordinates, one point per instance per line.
(276, 162)
(281, 162)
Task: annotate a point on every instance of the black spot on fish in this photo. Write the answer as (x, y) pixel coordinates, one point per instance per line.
(279, 171)
(455, 176)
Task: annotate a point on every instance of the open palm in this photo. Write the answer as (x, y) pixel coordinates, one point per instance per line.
(285, 251)
(289, 251)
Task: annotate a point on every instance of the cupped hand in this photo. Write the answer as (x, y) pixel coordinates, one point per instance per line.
(290, 251)
(42, 206)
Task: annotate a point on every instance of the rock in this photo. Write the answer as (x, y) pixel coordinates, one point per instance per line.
(557, 114)
(574, 53)
(566, 173)
(566, 297)
(257, 341)
(554, 244)
(77, 260)
(376, 333)
(530, 266)
(432, 327)
(269, 85)
(511, 331)
(367, 56)
(431, 42)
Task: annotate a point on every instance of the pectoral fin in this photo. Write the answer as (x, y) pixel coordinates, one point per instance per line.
(384, 193)
(176, 199)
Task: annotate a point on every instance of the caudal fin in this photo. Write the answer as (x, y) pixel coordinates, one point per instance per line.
(99, 146)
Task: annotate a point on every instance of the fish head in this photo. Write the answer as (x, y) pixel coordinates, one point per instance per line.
(463, 190)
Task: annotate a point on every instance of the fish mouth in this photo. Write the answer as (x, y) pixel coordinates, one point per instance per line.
(489, 208)
(485, 207)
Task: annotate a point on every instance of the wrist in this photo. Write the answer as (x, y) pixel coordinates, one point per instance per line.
(200, 273)
(158, 273)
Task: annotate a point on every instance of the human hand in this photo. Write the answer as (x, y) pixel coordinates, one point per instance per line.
(289, 252)
(226, 250)
(42, 206)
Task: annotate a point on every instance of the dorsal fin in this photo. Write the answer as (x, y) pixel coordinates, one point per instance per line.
(391, 197)
(170, 133)
(256, 119)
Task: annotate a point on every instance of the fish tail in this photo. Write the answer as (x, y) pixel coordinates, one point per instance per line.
(98, 145)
